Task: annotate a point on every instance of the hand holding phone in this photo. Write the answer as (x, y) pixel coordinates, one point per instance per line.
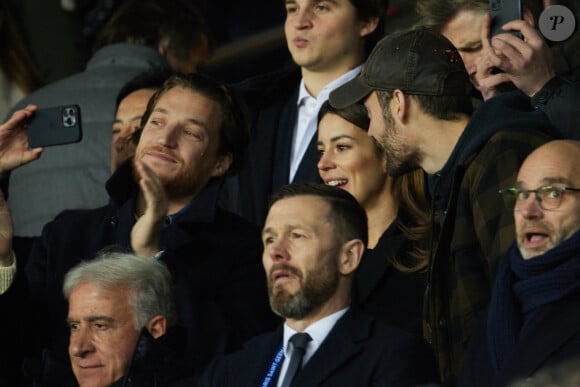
(55, 126)
(503, 11)
(14, 150)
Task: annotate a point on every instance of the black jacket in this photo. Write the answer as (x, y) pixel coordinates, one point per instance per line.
(158, 362)
(389, 295)
(358, 351)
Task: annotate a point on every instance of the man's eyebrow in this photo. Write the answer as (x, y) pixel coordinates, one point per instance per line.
(267, 230)
(133, 118)
(557, 180)
(470, 44)
(192, 120)
(548, 181)
(91, 319)
(100, 318)
(286, 228)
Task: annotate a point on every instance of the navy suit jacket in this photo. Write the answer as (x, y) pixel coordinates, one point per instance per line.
(359, 351)
(270, 103)
(551, 338)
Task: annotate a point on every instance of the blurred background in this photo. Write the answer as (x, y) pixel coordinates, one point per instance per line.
(249, 34)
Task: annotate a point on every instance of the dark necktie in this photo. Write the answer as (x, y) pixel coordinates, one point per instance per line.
(299, 342)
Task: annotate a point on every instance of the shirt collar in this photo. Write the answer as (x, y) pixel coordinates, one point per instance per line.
(303, 94)
(317, 331)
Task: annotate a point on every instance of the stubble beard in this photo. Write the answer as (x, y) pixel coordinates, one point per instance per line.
(555, 237)
(183, 184)
(401, 158)
(316, 288)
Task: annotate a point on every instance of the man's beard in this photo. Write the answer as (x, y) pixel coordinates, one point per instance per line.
(183, 184)
(315, 289)
(555, 237)
(401, 158)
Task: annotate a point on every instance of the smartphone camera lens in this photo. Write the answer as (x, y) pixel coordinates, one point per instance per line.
(68, 117)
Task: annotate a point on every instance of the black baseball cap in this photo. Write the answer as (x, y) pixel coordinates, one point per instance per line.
(418, 61)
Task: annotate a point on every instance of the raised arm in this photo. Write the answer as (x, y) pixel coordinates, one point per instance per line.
(14, 152)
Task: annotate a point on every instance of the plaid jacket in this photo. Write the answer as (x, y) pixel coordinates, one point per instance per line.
(476, 228)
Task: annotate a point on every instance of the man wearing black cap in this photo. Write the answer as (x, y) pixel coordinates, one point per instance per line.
(417, 93)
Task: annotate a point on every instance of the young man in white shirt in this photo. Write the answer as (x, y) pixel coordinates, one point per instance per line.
(328, 41)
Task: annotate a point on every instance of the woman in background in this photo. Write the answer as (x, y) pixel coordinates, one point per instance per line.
(20, 75)
(390, 281)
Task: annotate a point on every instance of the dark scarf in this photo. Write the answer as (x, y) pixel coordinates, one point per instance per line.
(522, 287)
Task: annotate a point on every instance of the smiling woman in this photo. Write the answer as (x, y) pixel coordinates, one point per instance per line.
(397, 211)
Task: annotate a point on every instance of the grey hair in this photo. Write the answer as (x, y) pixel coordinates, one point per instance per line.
(148, 280)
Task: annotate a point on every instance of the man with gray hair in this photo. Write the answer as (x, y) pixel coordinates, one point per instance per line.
(122, 321)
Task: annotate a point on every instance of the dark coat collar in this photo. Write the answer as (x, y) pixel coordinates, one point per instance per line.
(158, 361)
(375, 262)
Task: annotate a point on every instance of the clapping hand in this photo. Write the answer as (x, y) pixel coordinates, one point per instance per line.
(146, 233)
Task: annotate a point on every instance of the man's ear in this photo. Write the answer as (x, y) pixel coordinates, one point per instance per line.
(400, 105)
(368, 26)
(352, 252)
(222, 164)
(157, 326)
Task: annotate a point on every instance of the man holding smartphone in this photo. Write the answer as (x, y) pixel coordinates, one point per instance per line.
(547, 74)
(163, 205)
(140, 35)
(465, 24)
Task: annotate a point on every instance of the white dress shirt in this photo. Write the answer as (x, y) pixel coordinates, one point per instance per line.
(317, 331)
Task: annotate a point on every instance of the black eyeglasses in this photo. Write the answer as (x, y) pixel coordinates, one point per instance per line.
(549, 197)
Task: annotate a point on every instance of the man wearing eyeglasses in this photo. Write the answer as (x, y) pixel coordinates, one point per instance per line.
(533, 320)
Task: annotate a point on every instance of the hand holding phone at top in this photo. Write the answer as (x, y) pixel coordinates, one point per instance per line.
(527, 61)
(488, 79)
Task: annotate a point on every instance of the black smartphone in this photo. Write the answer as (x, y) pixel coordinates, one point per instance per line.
(503, 11)
(57, 125)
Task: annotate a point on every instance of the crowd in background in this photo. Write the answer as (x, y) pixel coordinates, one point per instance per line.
(305, 193)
